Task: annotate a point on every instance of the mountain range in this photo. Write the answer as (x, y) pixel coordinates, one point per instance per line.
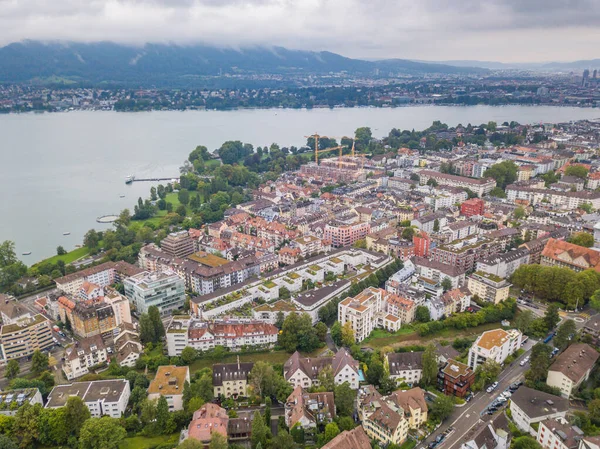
(160, 64)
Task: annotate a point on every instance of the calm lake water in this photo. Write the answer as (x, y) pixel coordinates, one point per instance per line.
(58, 172)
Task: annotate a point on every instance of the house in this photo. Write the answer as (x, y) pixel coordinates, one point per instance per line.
(444, 353)
(455, 378)
(456, 300)
(413, 403)
(494, 345)
(169, 382)
(102, 397)
(208, 420)
(304, 371)
(405, 367)
(557, 433)
(83, 355)
(489, 287)
(495, 435)
(12, 400)
(128, 346)
(354, 439)
(529, 406)
(231, 379)
(558, 253)
(386, 425)
(572, 367)
(309, 410)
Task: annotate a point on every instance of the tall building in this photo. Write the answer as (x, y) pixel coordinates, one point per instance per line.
(494, 345)
(178, 244)
(474, 206)
(163, 289)
(340, 234)
(21, 332)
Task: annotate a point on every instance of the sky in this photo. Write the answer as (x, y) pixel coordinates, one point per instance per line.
(437, 30)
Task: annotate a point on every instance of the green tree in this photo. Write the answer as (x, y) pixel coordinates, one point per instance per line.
(497, 192)
(436, 225)
(162, 414)
(524, 320)
(259, 431)
(408, 233)
(344, 399)
(326, 379)
(432, 182)
(525, 442)
(159, 329)
(446, 284)
(488, 372)
(39, 362)
(505, 173)
(442, 407)
(539, 363)
(298, 333)
(375, 372)
(551, 317)
(183, 196)
(582, 239)
(147, 334)
(7, 443)
(430, 365)
(261, 378)
(519, 213)
(188, 355)
(283, 440)
(321, 329)
(422, 314)
(91, 239)
(336, 329)
(348, 338)
(12, 369)
(360, 243)
(101, 433)
(76, 414)
(331, 431)
(26, 424)
(217, 441)
(578, 171)
(268, 412)
(566, 331)
(191, 443)
(11, 268)
(60, 250)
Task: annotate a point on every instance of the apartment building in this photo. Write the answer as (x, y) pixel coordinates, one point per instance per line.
(230, 380)
(102, 275)
(169, 382)
(504, 265)
(559, 253)
(489, 287)
(163, 289)
(355, 439)
(473, 206)
(494, 345)
(456, 378)
(465, 253)
(405, 367)
(83, 355)
(21, 332)
(102, 397)
(572, 367)
(309, 410)
(304, 371)
(529, 406)
(88, 318)
(178, 244)
(386, 425)
(184, 330)
(438, 271)
(456, 300)
(413, 403)
(563, 200)
(340, 234)
(12, 400)
(478, 186)
(557, 433)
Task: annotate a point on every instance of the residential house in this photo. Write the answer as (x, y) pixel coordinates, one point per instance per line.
(169, 382)
(494, 345)
(304, 371)
(309, 410)
(83, 355)
(456, 378)
(572, 367)
(102, 397)
(414, 405)
(230, 380)
(529, 406)
(405, 367)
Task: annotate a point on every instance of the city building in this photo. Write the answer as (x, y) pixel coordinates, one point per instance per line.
(230, 380)
(340, 234)
(102, 275)
(22, 332)
(208, 420)
(178, 244)
(488, 287)
(309, 410)
(494, 345)
(102, 397)
(529, 406)
(465, 253)
(12, 400)
(557, 433)
(405, 367)
(494, 435)
(163, 289)
(169, 382)
(386, 425)
(473, 206)
(414, 405)
(559, 253)
(128, 346)
(355, 439)
(455, 378)
(83, 355)
(478, 186)
(504, 265)
(438, 271)
(88, 318)
(304, 371)
(184, 330)
(572, 367)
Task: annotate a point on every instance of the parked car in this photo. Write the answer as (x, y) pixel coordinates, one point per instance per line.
(469, 397)
(524, 361)
(507, 394)
(501, 398)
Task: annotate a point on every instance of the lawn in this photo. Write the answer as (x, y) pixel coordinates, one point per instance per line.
(411, 337)
(71, 256)
(148, 442)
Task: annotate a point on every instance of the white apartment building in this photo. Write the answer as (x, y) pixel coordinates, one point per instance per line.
(572, 367)
(163, 289)
(495, 345)
(102, 397)
(83, 355)
(557, 433)
(479, 186)
(169, 382)
(529, 406)
(504, 265)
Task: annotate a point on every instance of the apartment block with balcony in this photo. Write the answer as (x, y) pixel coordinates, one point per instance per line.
(494, 345)
(163, 289)
(488, 287)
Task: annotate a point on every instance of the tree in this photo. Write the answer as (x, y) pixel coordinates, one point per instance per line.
(578, 171)
(582, 239)
(539, 363)
(280, 315)
(488, 372)
(298, 333)
(436, 225)
(268, 412)
(422, 314)
(261, 378)
(91, 239)
(39, 362)
(7, 443)
(564, 334)
(408, 233)
(283, 440)
(442, 407)
(26, 424)
(188, 355)
(101, 433)
(524, 320)
(414, 177)
(12, 369)
(375, 372)
(551, 317)
(331, 431)
(11, 268)
(60, 250)
(159, 329)
(147, 334)
(348, 338)
(360, 243)
(321, 329)
(344, 399)
(259, 431)
(446, 284)
(76, 414)
(217, 441)
(336, 329)
(525, 442)
(497, 192)
(519, 213)
(432, 182)
(162, 414)
(504, 173)
(326, 379)
(191, 443)
(183, 196)
(430, 365)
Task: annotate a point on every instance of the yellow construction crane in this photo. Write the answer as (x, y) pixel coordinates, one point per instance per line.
(340, 148)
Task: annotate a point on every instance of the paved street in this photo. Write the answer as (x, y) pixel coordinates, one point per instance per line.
(467, 420)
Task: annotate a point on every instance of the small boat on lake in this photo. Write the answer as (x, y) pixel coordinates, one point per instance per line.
(27, 253)
(129, 179)
(66, 233)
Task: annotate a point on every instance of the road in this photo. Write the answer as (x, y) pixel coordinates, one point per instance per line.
(467, 420)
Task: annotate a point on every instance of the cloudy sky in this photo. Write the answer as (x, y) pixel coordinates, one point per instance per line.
(499, 30)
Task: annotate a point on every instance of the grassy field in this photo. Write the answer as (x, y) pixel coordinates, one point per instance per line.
(412, 338)
(148, 442)
(71, 256)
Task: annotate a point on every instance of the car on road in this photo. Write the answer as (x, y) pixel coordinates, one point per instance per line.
(507, 394)
(524, 361)
(492, 387)
(554, 352)
(432, 445)
(469, 397)
(501, 398)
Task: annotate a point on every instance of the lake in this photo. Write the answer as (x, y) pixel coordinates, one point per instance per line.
(60, 171)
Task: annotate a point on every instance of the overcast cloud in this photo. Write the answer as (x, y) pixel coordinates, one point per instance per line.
(499, 30)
